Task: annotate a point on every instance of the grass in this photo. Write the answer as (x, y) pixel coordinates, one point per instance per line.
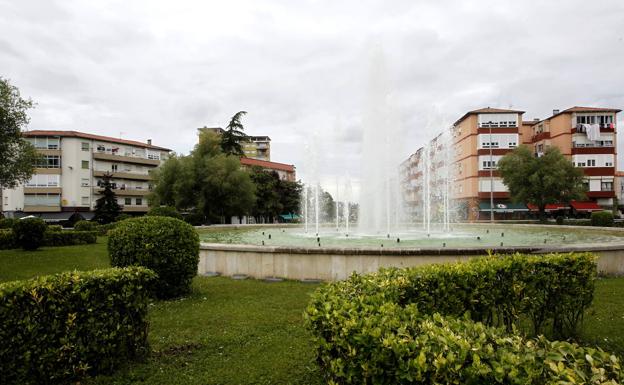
(248, 332)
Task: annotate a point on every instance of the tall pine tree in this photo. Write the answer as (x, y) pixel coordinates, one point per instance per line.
(106, 207)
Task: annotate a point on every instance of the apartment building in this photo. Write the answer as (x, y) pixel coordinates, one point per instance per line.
(68, 178)
(480, 138)
(255, 147)
(284, 171)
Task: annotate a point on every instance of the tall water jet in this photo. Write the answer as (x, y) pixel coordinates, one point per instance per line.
(380, 155)
(305, 207)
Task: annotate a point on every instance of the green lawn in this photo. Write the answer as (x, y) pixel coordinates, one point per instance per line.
(248, 332)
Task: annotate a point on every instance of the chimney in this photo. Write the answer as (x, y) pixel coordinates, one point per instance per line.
(149, 141)
(555, 112)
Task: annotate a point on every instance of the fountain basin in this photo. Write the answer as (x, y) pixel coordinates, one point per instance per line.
(336, 263)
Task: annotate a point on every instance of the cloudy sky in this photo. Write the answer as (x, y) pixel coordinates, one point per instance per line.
(160, 69)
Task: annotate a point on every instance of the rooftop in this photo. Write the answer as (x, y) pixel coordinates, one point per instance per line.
(267, 164)
(488, 110)
(77, 134)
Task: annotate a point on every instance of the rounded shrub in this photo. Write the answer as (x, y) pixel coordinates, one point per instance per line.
(168, 246)
(602, 218)
(55, 228)
(164, 211)
(7, 223)
(86, 226)
(29, 233)
(123, 217)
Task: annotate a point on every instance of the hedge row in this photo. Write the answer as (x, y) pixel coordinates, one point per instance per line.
(57, 329)
(51, 237)
(418, 325)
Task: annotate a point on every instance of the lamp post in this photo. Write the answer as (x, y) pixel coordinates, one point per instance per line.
(491, 179)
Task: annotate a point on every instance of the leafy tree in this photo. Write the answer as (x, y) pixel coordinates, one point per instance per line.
(18, 156)
(328, 207)
(290, 196)
(233, 136)
(206, 182)
(106, 207)
(268, 203)
(543, 180)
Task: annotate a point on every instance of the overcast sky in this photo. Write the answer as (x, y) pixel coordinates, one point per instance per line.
(160, 69)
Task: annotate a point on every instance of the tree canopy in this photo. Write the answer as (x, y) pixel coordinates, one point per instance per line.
(18, 156)
(274, 196)
(233, 136)
(206, 181)
(106, 207)
(543, 180)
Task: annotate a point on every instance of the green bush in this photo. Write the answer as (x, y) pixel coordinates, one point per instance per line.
(164, 211)
(29, 233)
(86, 226)
(7, 239)
(559, 220)
(168, 246)
(57, 329)
(54, 228)
(69, 238)
(453, 323)
(602, 218)
(7, 223)
(195, 219)
(123, 217)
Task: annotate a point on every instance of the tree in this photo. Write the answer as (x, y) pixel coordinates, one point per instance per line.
(233, 136)
(543, 180)
(290, 196)
(18, 156)
(328, 207)
(106, 207)
(207, 182)
(268, 203)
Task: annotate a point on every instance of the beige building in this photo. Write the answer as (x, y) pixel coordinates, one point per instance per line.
(258, 147)
(586, 135)
(68, 179)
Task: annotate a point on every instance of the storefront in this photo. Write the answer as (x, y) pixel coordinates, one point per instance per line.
(503, 210)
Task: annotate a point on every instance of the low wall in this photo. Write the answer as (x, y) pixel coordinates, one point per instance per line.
(329, 264)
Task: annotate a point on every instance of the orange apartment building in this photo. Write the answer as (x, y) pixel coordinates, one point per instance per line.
(481, 137)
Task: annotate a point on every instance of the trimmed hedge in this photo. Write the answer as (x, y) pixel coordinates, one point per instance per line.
(60, 328)
(69, 237)
(7, 223)
(7, 239)
(29, 233)
(168, 246)
(452, 323)
(54, 228)
(86, 226)
(602, 218)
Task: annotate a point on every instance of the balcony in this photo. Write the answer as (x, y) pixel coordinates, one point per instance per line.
(134, 209)
(592, 149)
(610, 127)
(496, 194)
(111, 156)
(123, 175)
(601, 194)
(495, 151)
(134, 192)
(41, 190)
(540, 136)
(42, 209)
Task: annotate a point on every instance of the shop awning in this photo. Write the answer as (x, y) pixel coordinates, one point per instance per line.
(56, 217)
(503, 207)
(585, 206)
(551, 207)
(289, 216)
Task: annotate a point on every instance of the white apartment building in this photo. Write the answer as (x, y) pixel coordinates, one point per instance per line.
(68, 178)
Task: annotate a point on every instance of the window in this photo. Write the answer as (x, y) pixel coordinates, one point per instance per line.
(114, 167)
(49, 161)
(44, 180)
(45, 143)
(580, 164)
(85, 146)
(608, 164)
(85, 164)
(488, 164)
(84, 182)
(606, 186)
(153, 155)
(128, 201)
(591, 162)
(42, 200)
(139, 201)
(84, 200)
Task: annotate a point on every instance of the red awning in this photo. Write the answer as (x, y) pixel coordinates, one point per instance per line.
(552, 207)
(585, 206)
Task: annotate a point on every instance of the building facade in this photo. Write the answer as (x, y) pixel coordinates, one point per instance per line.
(480, 138)
(284, 171)
(68, 178)
(258, 147)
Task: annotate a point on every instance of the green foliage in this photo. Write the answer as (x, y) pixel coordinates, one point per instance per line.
(106, 207)
(54, 228)
(86, 226)
(7, 223)
(164, 211)
(123, 217)
(267, 205)
(440, 323)
(168, 246)
(69, 237)
(7, 239)
(18, 156)
(543, 180)
(602, 218)
(206, 181)
(60, 328)
(559, 220)
(233, 136)
(29, 233)
(195, 218)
